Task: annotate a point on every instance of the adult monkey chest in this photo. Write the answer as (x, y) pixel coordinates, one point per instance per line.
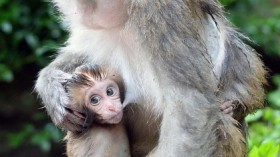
(163, 50)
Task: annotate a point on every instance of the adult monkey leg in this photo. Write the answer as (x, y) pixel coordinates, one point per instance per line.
(163, 50)
(237, 81)
(241, 73)
(238, 67)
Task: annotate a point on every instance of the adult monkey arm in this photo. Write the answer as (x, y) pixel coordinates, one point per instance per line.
(50, 87)
(241, 76)
(51, 78)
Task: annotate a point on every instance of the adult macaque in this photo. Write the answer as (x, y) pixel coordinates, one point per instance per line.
(100, 92)
(178, 59)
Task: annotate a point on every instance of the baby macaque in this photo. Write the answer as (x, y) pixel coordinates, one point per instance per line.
(100, 92)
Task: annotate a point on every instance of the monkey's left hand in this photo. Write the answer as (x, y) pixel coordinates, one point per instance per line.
(233, 108)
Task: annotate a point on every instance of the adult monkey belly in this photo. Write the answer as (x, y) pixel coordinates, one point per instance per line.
(179, 59)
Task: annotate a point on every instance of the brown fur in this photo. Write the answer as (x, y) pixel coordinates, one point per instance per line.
(89, 144)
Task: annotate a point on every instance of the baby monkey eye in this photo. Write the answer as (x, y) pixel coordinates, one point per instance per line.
(110, 91)
(94, 100)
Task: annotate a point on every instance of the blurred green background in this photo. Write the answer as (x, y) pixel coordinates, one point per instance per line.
(30, 32)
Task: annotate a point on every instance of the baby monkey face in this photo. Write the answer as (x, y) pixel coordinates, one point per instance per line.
(103, 99)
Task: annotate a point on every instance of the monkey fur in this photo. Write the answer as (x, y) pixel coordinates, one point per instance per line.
(89, 141)
(179, 60)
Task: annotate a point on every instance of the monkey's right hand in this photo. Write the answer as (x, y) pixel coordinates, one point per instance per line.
(74, 119)
(50, 87)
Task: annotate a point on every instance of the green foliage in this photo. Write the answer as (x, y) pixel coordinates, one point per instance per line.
(28, 33)
(5, 73)
(264, 133)
(268, 149)
(274, 96)
(260, 19)
(30, 135)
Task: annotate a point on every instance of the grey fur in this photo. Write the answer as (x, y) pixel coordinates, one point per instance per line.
(173, 79)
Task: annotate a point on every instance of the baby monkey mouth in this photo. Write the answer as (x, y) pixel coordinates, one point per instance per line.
(117, 118)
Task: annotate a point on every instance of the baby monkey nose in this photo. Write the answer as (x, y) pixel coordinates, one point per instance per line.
(112, 108)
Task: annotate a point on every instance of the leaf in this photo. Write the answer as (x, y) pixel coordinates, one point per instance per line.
(274, 151)
(254, 152)
(254, 116)
(264, 148)
(276, 80)
(268, 114)
(42, 140)
(32, 40)
(269, 149)
(7, 27)
(6, 74)
(274, 98)
(55, 133)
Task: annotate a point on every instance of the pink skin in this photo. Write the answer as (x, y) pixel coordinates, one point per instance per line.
(109, 107)
(228, 108)
(104, 14)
